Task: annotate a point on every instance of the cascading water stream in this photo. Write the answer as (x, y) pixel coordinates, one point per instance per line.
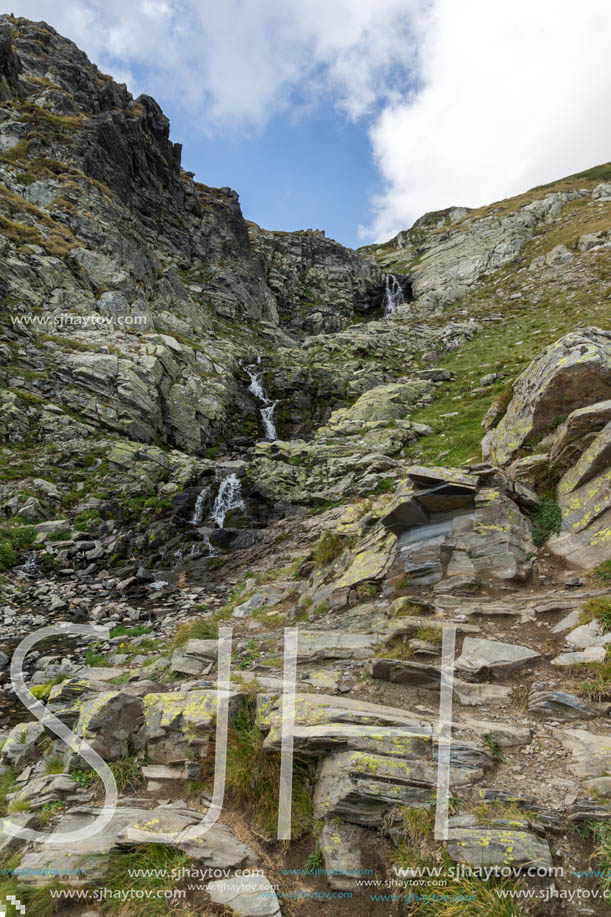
(198, 510)
(228, 497)
(393, 296)
(267, 411)
(29, 568)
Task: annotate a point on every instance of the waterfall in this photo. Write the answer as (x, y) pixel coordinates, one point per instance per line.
(267, 411)
(29, 568)
(229, 497)
(198, 511)
(393, 295)
(212, 552)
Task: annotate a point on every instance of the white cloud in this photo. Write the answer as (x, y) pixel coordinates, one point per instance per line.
(466, 101)
(240, 61)
(513, 94)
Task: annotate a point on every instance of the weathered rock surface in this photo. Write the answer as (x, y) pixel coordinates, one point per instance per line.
(107, 723)
(246, 896)
(129, 827)
(498, 847)
(479, 656)
(572, 373)
(178, 726)
(340, 845)
(318, 284)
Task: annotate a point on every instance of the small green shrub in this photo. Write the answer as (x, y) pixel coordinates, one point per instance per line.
(602, 572)
(135, 631)
(314, 861)
(253, 776)
(328, 548)
(600, 609)
(8, 557)
(546, 520)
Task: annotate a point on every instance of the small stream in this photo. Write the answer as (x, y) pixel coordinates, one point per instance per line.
(267, 411)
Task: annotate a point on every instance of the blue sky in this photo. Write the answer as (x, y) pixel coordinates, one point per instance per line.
(317, 173)
(358, 116)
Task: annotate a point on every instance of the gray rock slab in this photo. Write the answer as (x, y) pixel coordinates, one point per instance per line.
(479, 655)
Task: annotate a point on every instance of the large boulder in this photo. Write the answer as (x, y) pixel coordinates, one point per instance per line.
(456, 531)
(108, 722)
(178, 725)
(77, 862)
(571, 373)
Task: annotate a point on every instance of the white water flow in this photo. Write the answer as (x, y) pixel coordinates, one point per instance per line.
(229, 497)
(267, 411)
(198, 511)
(29, 568)
(212, 552)
(393, 296)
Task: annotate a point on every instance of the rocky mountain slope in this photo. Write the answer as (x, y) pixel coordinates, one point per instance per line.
(205, 424)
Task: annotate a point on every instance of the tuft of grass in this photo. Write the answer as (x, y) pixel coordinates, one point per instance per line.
(7, 782)
(367, 590)
(253, 777)
(18, 805)
(135, 631)
(499, 809)
(597, 609)
(546, 520)
(49, 810)
(400, 585)
(55, 765)
(417, 846)
(95, 659)
(37, 900)
(328, 548)
(494, 748)
(599, 686)
(602, 573)
(398, 647)
(201, 628)
(127, 773)
(519, 697)
(601, 832)
(432, 635)
(8, 556)
(150, 867)
(314, 861)
(467, 896)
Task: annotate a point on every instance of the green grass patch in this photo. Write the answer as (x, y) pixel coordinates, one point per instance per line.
(601, 832)
(430, 634)
(546, 520)
(602, 573)
(136, 631)
(328, 548)
(253, 777)
(158, 862)
(7, 784)
(598, 608)
(398, 647)
(126, 771)
(8, 556)
(201, 628)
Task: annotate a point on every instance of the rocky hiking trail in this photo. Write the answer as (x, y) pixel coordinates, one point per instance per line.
(267, 430)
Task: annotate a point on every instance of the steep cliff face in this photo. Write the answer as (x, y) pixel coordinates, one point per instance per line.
(139, 284)
(318, 284)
